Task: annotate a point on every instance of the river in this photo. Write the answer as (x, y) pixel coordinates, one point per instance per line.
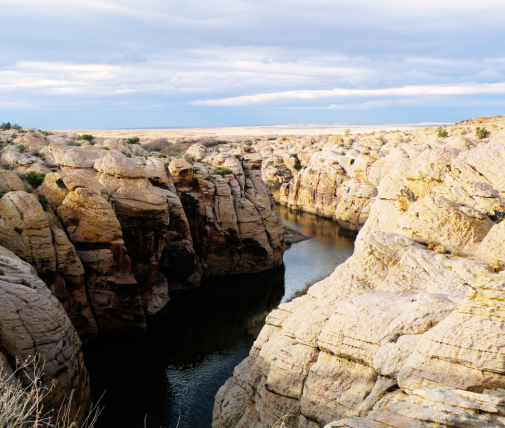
(172, 371)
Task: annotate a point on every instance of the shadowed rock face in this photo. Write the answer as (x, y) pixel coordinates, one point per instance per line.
(407, 332)
(117, 234)
(33, 323)
(234, 225)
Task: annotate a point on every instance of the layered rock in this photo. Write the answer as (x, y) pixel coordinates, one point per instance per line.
(232, 217)
(407, 332)
(34, 325)
(110, 234)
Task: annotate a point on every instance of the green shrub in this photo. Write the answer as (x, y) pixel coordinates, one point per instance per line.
(134, 140)
(249, 143)
(217, 150)
(7, 125)
(189, 159)
(294, 155)
(44, 202)
(238, 157)
(298, 166)
(21, 148)
(73, 144)
(174, 150)
(481, 132)
(223, 171)
(442, 133)
(87, 137)
(35, 178)
(105, 148)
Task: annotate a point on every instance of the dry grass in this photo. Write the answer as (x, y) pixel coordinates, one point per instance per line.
(22, 405)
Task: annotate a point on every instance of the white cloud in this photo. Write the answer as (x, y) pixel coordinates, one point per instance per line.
(421, 90)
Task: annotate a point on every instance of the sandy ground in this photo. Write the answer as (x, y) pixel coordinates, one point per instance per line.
(252, 131)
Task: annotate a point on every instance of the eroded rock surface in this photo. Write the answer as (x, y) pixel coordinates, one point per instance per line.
(33, 323)
(111, 230)
(407, 332)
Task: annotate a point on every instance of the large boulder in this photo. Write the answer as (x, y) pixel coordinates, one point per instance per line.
(34, 325)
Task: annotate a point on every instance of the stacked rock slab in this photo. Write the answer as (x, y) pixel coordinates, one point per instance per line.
(408, 331)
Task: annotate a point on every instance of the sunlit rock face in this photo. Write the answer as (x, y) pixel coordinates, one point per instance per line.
(111, 230)
(406, 332)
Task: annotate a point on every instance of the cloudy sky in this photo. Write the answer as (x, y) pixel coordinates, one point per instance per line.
(158, 63)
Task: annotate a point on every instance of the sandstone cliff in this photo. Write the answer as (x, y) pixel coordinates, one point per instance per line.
(111, 229)
(407, 332)
(33, 324)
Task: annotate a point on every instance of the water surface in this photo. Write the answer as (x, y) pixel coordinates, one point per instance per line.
(172, 371)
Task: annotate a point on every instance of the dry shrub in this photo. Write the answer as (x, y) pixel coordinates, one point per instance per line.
(156, 145)
(22, 403)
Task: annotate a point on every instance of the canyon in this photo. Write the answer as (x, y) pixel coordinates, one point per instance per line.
(405, 333)
(101, 231)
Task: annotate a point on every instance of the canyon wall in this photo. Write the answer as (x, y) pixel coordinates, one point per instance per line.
(408, 331)
(111, 229)
(95, 233)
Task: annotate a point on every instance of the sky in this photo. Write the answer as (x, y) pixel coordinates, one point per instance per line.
(102, 64)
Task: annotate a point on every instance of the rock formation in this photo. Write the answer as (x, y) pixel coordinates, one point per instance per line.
(407, 332)
(33, 324)
(111, 230)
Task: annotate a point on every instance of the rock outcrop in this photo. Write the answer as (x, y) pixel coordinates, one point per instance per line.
(406, 332)
(110, 230)
(33, 324)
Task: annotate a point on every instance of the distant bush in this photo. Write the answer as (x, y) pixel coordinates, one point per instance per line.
(442, 133)
(5, 166)
(87, 137)
(35, 178)
(249, 143)
(174, 150)
(298, 166)
(481, 132)
(7, 125)
(158, 145)
(238, 157)
(105, 148)
(217, 150)
(134, 140)
(21, 148)
(223, 171)
(74, 143)
(189, 159)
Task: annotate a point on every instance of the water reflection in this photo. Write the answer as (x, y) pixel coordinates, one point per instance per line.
(310, 261)
(175, 368)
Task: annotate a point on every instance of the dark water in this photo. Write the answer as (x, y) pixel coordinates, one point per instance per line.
(173, 370)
